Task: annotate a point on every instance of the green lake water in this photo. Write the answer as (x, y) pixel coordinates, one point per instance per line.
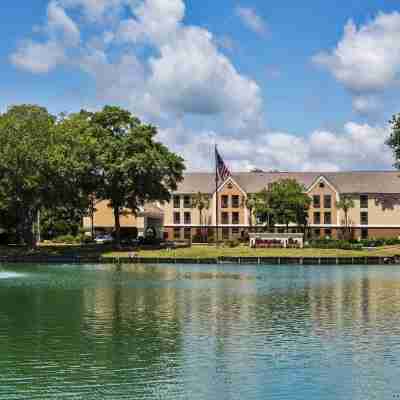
(199, 332)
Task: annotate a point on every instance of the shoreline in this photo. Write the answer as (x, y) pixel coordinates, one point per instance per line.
(340, 260)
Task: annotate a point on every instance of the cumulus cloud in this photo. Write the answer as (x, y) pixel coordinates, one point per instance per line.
(38, 57)
(357, 145)
(192, 76)
(61, 26)
(252, 20)
(97, 10)
(155, 20)
(184, 73)
(188, 74)
(367, 59)
(42, 57)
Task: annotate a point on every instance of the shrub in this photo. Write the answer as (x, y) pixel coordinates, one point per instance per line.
(232, 243)
(68, 239)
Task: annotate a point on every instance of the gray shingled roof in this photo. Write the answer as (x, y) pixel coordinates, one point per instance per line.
(346, 182)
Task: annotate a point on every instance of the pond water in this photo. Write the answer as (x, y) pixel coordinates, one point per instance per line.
(199, 332)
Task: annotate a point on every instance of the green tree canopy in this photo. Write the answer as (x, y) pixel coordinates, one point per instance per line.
(26, 133)
(59, 164)
(132, 167)
(45, 163)
(284, 202)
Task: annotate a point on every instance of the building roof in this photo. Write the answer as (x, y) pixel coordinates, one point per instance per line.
(384, 182)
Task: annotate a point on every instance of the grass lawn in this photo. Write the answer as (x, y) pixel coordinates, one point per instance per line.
(200, 251)
(245, 251)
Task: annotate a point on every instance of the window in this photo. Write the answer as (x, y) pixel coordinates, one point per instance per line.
(177, 233)
(364, 201)
(225, 233)
(317, 218)
(224, 201)
(321, 185)
(187, 218)
(327, 218)
(364, 233)
(235, 201)
(327, 201)
(177, 218)
(187, 233)
(317, 233)
(364, 218)
(328, 233)
(177, 201)
(225, 218)
(187, 202)
(235, 218)
(235, 231)
(316, 201)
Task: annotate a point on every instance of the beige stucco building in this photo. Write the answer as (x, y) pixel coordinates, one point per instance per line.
(376, 213)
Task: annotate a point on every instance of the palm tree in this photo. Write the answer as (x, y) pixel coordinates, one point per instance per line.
(251, 203)
(346, 204)
(201, 202)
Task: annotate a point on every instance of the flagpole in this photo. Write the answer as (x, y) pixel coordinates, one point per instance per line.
(216, 196)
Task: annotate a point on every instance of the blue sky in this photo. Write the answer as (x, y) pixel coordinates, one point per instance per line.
(275, 84)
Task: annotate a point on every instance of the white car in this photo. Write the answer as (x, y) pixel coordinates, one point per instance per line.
(101, 239)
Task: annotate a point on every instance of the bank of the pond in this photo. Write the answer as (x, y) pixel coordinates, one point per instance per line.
(203, 260)
(200, 255)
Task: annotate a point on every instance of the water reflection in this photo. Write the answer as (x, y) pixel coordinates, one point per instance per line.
(200, 332)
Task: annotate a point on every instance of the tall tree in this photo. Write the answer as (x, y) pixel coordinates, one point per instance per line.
(251, 204)
(201, 202)
(287, 202)
(132, 166)
(46, 163)
(25, 146)
(346, 204)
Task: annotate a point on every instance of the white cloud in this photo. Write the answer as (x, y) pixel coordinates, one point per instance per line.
(192, 76)
(252, 20)
(97, 10)
(185, 72)
(357, 145)
(366, 104)
(42, 57)
(38, 57)
(59, 23)
(155, 20)
(366, 59)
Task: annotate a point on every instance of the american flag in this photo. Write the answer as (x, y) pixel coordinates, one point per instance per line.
(223, 172)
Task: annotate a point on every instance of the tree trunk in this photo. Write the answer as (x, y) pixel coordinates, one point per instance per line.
(117, 226)
(92, 218)
(346, 223)
(201, 225)
(28, 234)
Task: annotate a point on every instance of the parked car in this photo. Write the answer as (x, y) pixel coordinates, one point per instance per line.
(102, 239)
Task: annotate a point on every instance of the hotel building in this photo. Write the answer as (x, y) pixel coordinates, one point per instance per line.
(376, 211)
